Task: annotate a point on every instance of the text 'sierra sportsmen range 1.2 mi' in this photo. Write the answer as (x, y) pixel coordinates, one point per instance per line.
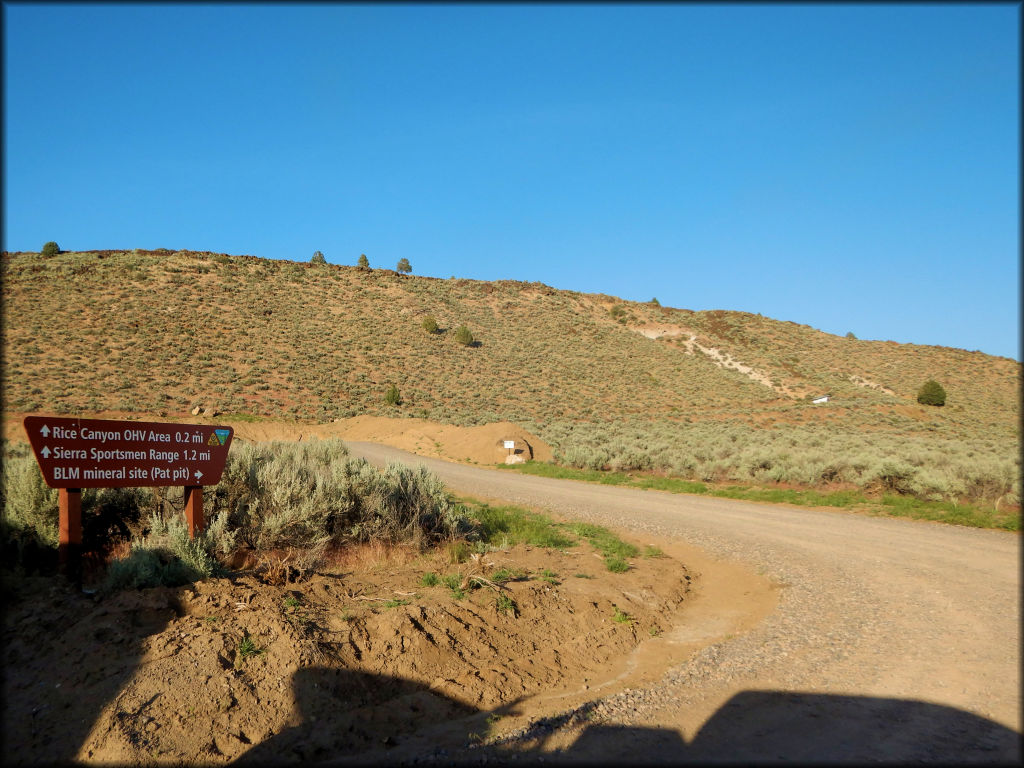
(102, 453)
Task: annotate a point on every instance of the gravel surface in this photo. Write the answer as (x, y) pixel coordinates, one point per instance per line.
(893, 640)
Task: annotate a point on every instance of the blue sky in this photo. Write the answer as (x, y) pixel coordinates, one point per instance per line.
(853, 168)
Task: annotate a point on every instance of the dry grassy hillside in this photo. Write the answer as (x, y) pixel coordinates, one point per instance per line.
(152, 332)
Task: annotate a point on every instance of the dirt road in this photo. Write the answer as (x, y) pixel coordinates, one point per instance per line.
(892, 639)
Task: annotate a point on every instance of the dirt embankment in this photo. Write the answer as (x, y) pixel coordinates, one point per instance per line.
(238, 666)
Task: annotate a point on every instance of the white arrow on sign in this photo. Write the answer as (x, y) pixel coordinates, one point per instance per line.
(45, 431)
(198, 474)
(45, 452)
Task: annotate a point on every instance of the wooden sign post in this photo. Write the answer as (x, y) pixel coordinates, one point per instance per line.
(69, 542)
(194, 509)
(102, 453)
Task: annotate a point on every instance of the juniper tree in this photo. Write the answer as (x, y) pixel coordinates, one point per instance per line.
(931, 393)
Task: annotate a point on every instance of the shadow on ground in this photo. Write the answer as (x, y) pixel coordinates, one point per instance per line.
(49, 709)
(350, 717)
(356, 718)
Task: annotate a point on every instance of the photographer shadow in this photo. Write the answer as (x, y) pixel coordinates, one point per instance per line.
(755, 727)
(356, 718)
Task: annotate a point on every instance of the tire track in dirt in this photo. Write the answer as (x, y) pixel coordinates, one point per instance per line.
(911, 630)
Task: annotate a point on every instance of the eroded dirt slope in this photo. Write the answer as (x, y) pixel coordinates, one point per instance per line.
(209, 672)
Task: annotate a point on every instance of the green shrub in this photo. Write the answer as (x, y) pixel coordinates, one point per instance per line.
(50, 249)
(363, 262)
(452, 580)
(430, 324)
(144, 568)
(458, 552)
(318, 259)
(29, 523)
(615, 564)
(604, 540)
(505, 604)
(549, 576)
(464, 336)
(621, 617)
(247, 647)
(895, 476)
(931, 393)
(505, 575)
(30, 507)
(403, 266)
(166, 557)
(507, 526)
(392, 396)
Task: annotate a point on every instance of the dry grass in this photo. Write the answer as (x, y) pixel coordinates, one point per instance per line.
(370, 556)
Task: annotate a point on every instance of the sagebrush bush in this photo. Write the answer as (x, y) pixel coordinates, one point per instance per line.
(464, 336)
(166, 557)
(312, 493)
(30, 507)
(915, 465)
(31, 515)
(271, 496)
(393, 396)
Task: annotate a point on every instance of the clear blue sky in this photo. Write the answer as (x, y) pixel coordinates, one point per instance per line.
(854, 168)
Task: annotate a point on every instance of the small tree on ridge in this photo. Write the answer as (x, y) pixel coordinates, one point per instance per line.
(931, 393)
(404, 266)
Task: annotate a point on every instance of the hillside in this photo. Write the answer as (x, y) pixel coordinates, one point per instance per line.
(160, 332)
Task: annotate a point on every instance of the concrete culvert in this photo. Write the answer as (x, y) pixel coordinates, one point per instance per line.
(519, 452)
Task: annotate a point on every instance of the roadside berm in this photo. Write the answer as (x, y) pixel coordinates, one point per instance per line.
(212, 671)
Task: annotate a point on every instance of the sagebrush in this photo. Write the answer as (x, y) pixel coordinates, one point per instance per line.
(302, 496)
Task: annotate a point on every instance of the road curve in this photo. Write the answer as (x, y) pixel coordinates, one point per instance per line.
(892, 640)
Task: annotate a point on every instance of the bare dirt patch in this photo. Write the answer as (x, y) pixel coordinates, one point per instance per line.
(228, 666)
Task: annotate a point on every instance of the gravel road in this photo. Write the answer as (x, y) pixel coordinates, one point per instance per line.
(893, 640)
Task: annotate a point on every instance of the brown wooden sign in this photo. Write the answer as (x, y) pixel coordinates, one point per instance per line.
(102, 453)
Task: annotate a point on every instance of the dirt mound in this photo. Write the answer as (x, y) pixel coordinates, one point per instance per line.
(236, 666)
(468, 445)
